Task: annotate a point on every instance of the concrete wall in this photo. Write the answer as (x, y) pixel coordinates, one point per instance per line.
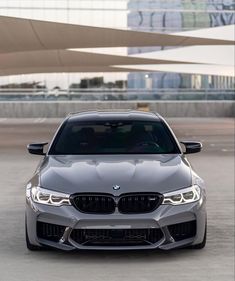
(58, 109)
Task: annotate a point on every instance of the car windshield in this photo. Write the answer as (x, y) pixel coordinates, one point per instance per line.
(113, 137)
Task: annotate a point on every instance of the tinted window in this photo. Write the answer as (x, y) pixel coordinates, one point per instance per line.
(114, 137)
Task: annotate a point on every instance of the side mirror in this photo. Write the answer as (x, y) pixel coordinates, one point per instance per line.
(36, 148)
(192, 146)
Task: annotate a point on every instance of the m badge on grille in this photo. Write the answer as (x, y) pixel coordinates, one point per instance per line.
(116, 187)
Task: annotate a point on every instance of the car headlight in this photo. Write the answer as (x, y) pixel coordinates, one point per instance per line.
(182, 196)
(49, 197)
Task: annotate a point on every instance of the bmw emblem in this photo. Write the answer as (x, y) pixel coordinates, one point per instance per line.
(116, 187)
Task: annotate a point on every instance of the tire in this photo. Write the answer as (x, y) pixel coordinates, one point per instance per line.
(30, 246)
(203, 244)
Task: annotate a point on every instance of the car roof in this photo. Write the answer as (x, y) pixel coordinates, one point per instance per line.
(127, 115)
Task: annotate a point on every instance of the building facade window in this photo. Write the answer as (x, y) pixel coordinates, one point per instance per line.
(176, 16)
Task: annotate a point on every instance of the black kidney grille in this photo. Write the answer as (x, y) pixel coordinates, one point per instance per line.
(116, 237)
(130, 203)
(138, 203)
(94, 204)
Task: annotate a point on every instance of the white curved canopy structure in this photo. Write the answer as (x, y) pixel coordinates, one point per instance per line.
(203, 69)
(26, 35)
(32, 46)
(68, 58)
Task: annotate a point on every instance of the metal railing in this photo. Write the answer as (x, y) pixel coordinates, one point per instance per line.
(115, 94)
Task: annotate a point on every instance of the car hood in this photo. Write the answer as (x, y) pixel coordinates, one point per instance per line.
(133, 173)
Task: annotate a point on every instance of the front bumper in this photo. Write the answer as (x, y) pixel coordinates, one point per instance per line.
(71, 219)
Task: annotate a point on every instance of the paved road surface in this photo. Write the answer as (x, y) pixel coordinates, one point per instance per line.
(215, 262)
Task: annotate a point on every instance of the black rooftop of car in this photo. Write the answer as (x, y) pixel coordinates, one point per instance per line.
(113, 115)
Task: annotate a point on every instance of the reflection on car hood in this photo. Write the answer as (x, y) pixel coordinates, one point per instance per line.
(133, 173)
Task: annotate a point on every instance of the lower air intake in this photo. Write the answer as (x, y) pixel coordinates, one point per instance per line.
(116, 237)
(51, 232)
(181, 231)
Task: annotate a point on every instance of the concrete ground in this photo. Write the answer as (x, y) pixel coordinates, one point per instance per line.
(216, 262)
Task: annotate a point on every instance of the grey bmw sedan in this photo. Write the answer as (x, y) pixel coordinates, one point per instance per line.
(115, 181)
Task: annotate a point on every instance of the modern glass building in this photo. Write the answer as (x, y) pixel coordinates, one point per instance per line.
(176, 16)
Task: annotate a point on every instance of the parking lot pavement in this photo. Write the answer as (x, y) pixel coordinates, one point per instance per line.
(216, 262)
